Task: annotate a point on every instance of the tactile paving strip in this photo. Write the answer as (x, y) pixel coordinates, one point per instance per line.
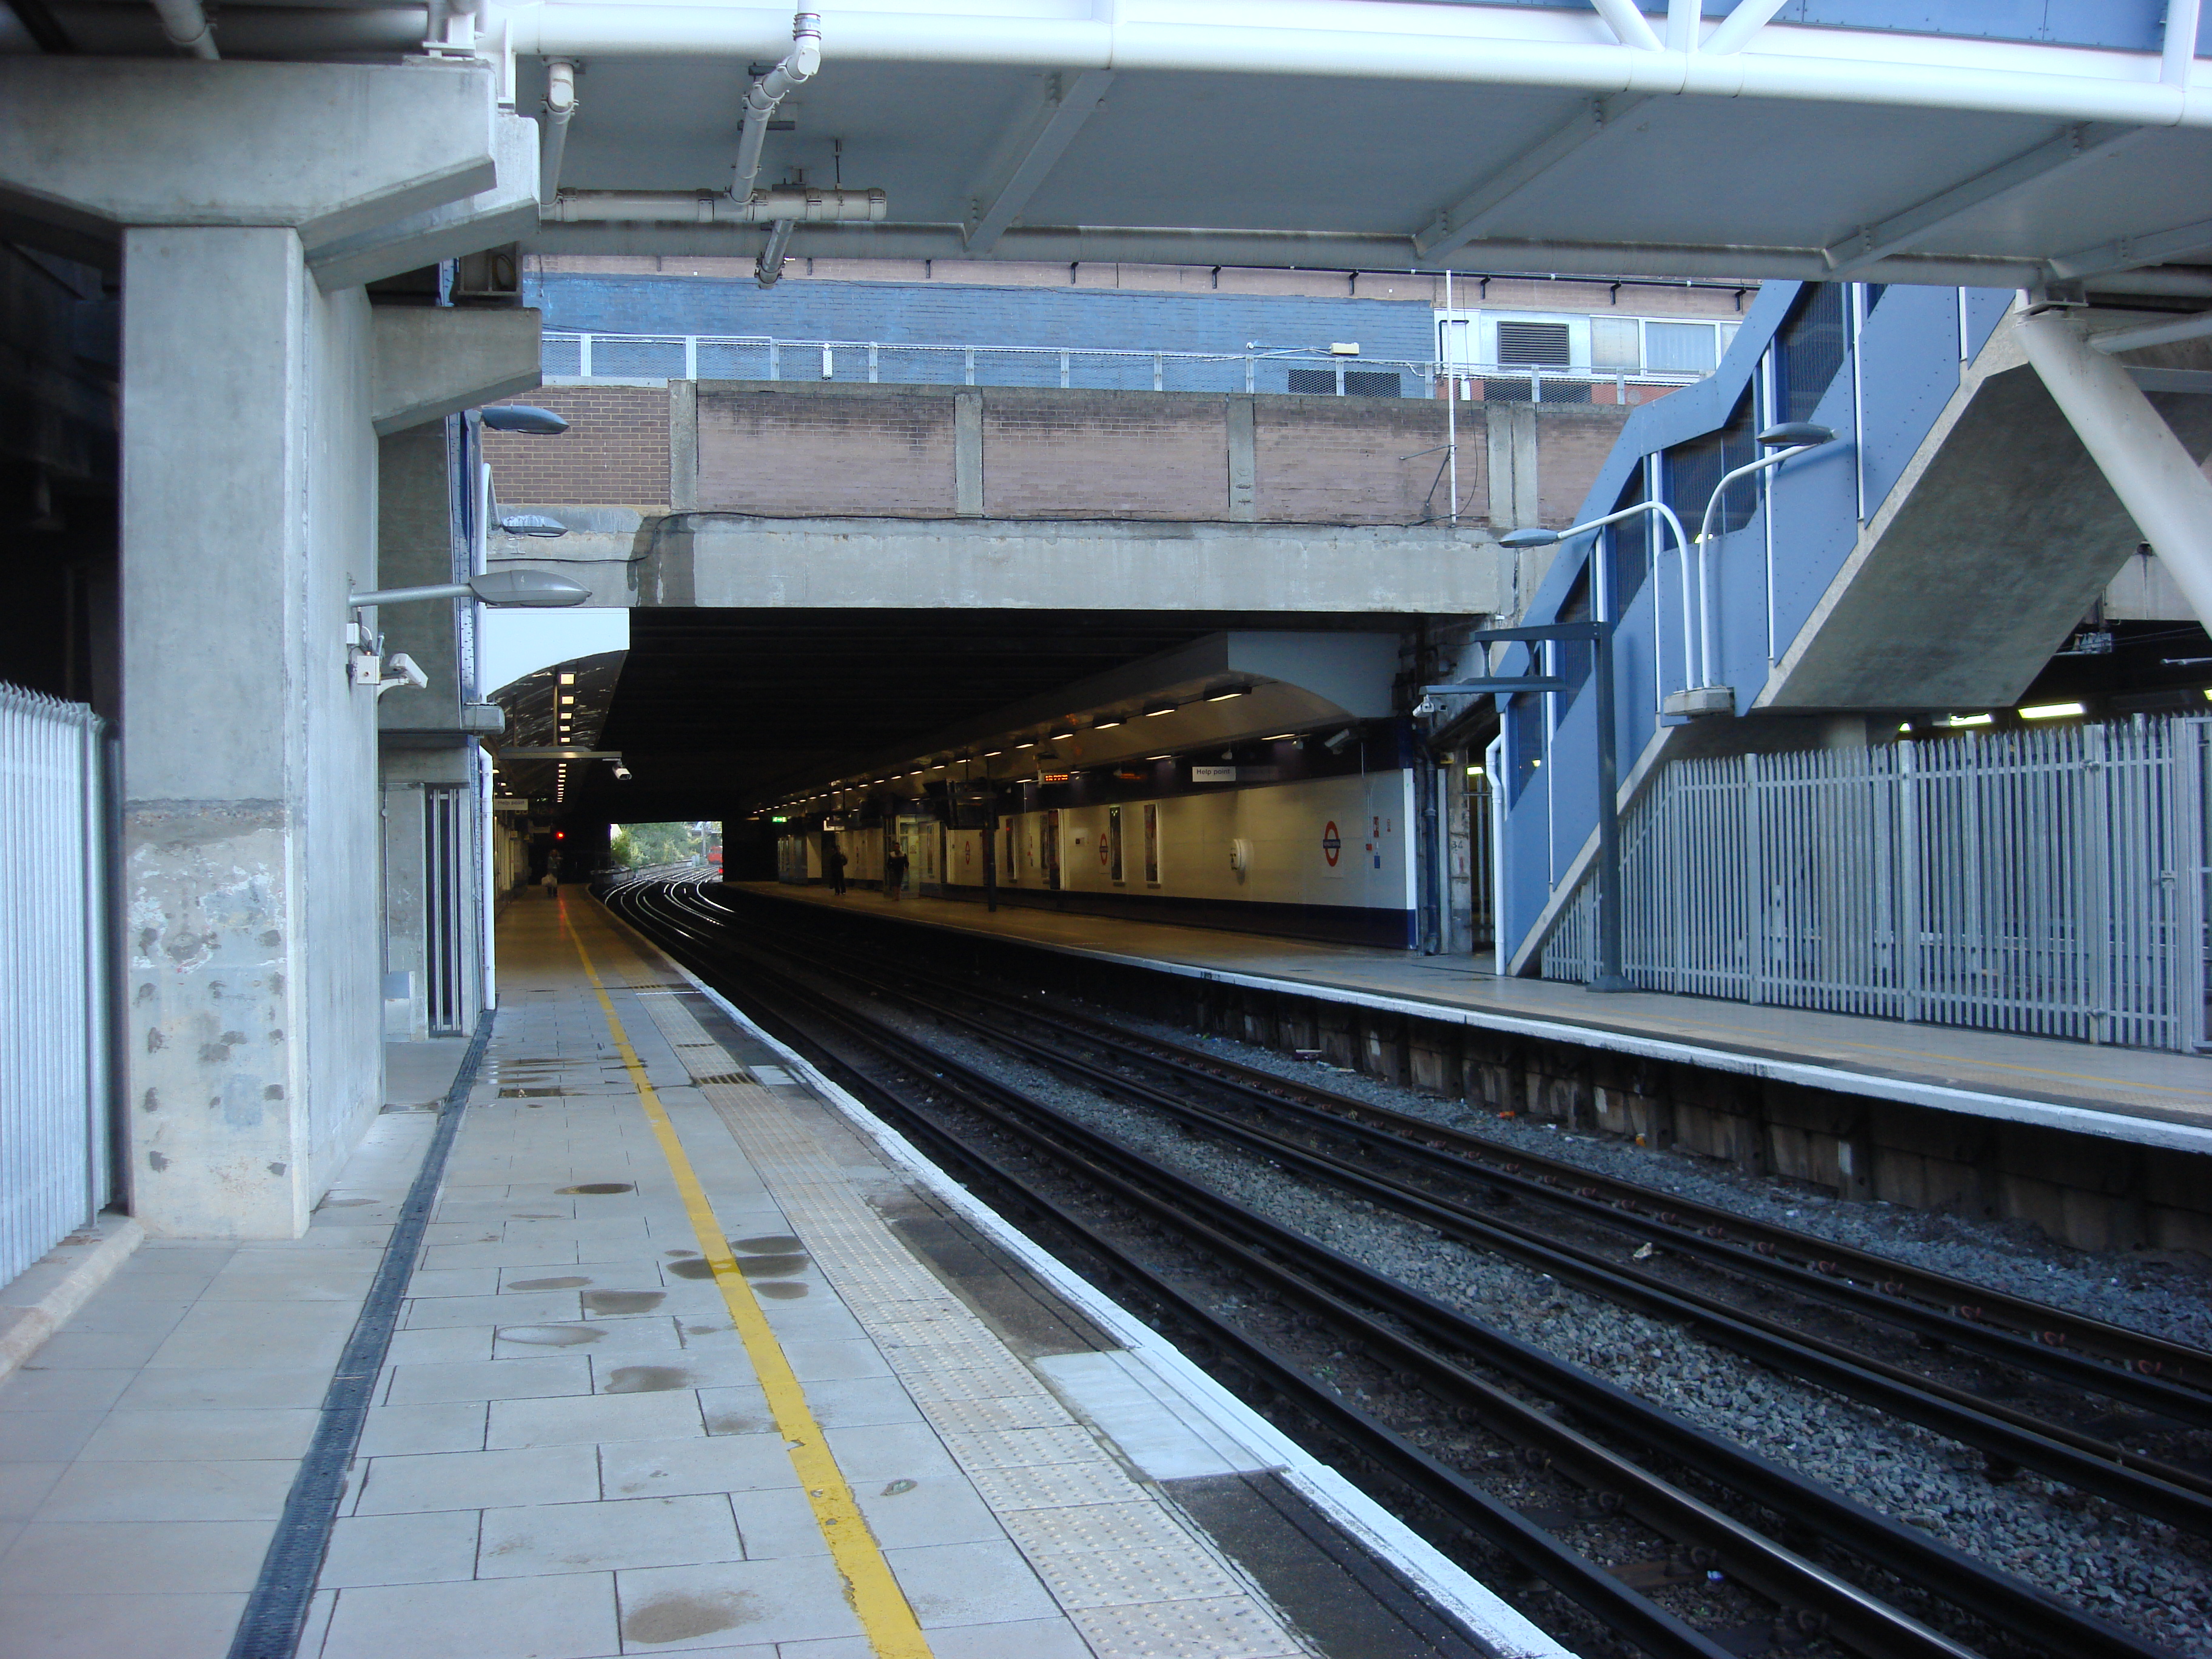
(1135, 1581)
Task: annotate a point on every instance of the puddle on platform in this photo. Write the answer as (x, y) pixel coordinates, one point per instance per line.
(648, 1379)
(548, 1336)
(569, 1284)
(610, 1303)
(681, 1618)
(529, 1094)
(598, 1189)
(771, 1266)
(697, 1267)
(780, 1290)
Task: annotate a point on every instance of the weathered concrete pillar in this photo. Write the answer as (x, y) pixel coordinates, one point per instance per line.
(244, 203)
(250, 865)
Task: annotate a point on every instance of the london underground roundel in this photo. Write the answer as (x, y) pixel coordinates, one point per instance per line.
(1331, 843)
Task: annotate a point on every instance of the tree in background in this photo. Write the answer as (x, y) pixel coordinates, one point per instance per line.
(636, 846)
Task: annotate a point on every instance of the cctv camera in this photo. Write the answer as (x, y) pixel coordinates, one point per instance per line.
(621, 773)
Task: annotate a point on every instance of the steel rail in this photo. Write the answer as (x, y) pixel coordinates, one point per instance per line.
(2004, 1434)
(1414, 1141)
(2028, 1612)
(1374, 1446)
(2142, 1484)
(1975, 1312)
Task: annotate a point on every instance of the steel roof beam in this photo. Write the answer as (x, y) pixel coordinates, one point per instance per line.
(1468, 217)
(1029, 154)
(2129, 253)
(1876, 243)
(1474, 45)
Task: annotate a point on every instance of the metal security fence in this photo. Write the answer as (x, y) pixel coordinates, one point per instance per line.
(632, 358)
(55, 1001)
(2045, 881)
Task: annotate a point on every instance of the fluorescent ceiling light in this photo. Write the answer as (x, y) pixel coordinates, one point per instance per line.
(1970, 719)
(2052, 711)
(1158, 709)
(1227, 692)
(1107, 725)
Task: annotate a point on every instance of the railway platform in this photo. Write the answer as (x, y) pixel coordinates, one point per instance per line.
(687, 1356)
(2128, 1094)
(2101, 1147)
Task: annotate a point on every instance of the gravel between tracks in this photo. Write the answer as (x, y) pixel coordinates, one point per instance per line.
(2138, 1573)
(2164, 1295)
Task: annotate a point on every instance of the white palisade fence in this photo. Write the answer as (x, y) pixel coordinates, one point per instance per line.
(54, 1003)
(2051, 883)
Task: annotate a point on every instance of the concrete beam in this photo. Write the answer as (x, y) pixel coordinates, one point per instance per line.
(726, 560)
(432, 362)
(505, 212)
(93, 144)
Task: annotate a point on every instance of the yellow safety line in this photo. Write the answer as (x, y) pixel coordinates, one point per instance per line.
(876, 1598)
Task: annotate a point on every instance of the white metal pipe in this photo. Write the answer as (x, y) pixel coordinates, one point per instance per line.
(1971, 76)
(186, 26)
(795, 70)
(2151, 334)
(1737, 29)
(1704, 565)
(1627, 23)
(2179, 47)
(807, 206)
(553, 142)
(1659, 509)
(2164, 491)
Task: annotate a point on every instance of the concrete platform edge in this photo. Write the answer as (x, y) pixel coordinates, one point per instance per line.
(44, 1295)
(1492, 1620)
(1972, 1102)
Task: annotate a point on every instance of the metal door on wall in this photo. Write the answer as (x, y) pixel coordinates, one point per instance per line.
(445, 907)
(1052, 849)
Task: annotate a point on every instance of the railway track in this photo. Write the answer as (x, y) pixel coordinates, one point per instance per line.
(1581, 1428)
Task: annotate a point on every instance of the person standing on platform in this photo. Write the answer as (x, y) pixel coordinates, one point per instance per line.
(552, 881)
(833, 860)
(894, 871)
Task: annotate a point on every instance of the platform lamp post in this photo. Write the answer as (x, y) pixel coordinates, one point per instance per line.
(1599, 631)
(1785, 440)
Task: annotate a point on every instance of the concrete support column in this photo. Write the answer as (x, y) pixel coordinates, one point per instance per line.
(250, 848)
(2163, 489)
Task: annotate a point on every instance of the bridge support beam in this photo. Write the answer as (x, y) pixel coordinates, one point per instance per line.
(2159, 483)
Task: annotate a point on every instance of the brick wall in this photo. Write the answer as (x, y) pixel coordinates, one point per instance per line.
(1572, 441)
(614, 452)
(1130, 455)
(1354, 460)
(866, 451)
(803, 450)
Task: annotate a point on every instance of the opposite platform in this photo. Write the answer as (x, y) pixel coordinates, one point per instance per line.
(2139, 1095)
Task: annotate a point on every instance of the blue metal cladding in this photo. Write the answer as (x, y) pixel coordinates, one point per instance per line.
(953, 313)
(1908, 369)
(2113, 25)
(1881, 388)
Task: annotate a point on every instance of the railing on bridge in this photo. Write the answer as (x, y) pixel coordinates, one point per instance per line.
(55, 999)
(2045, 882)
(574, 358)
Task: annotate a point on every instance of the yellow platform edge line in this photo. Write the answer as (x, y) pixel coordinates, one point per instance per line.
(874, 1594)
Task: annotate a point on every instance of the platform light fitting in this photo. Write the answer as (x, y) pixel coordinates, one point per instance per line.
(523, 417)
(1528, 536)
(1337, 742)
(1281, 737)
(504, 589)
(1970, 719)
(1030, 745)
(1106, 725)
(1160, 757)
(1063, 737)
(621, 773)
(2053, 711)
(1796, 434)
(1153, 711)
(1227, 692)
(533, 524)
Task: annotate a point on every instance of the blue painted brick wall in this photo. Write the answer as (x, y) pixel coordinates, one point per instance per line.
(948, 313)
